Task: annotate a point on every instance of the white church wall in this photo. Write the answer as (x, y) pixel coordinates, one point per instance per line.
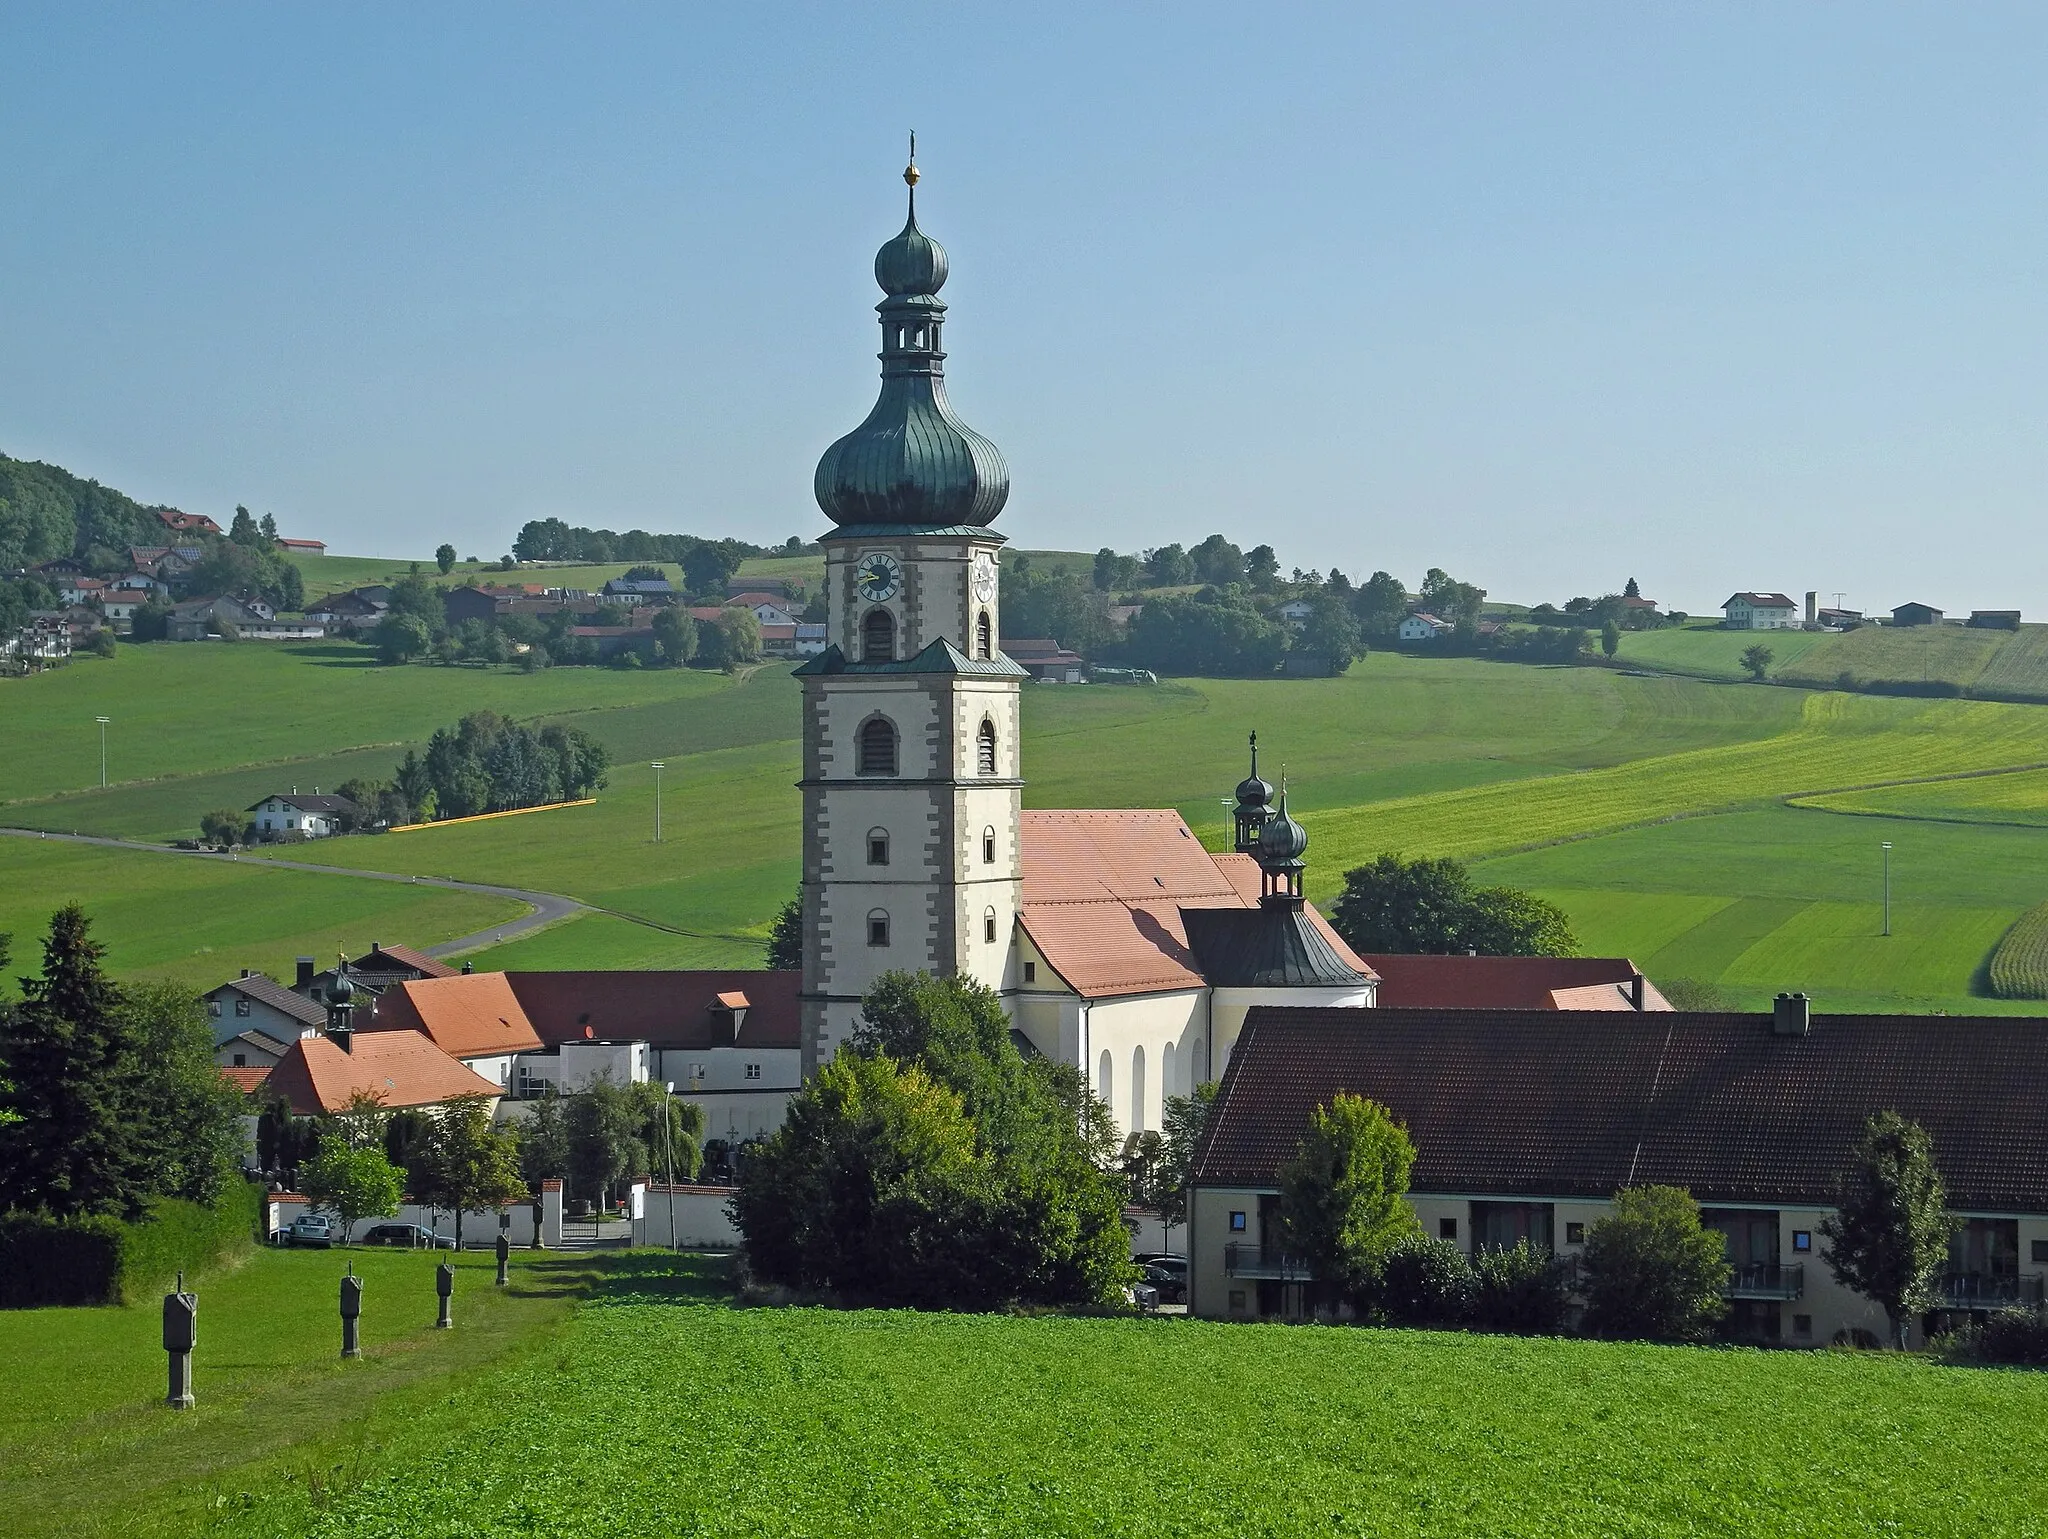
(1134, 1031)
(1231, 1005)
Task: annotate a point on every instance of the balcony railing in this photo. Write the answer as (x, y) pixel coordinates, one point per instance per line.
(1767, 1280)
(1979, 1290)
(1267, 1262)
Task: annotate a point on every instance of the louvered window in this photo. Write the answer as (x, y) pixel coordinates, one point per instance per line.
(876, 754)
(985, 749)
(878, 637)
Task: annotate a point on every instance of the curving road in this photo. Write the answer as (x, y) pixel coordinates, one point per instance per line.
(547, 907)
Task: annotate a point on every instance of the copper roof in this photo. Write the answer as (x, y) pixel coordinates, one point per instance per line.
(1580, 1103)
(400, 1068)
(471, 1015)
(1509, 983)
(1104, 890)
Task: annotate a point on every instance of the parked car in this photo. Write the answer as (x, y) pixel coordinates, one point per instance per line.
(1144, 1295)
(1170, 1276)
(311, 1229)
(409, 1236)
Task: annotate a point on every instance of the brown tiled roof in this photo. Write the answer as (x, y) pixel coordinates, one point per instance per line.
(1103, 891)
(667, 1009)
(400, 1068)
(1509, 983)
(1579, 1103)
(246, 1080)
(471, 1015)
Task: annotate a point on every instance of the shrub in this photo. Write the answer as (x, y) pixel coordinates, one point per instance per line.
(2013, 1338)
(101, 1260)
(1651, 1270)
(1519, 1291)
(1426, 1282)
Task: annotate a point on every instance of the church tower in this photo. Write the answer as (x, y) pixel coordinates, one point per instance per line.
(911, 713)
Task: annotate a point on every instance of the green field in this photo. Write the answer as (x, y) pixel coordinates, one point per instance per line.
(1710, 652)
(655, 1407)
(331, 574)
(1921, 654)
(1539, 773)
(204, 920)
(86, 1446)
(1946, 658)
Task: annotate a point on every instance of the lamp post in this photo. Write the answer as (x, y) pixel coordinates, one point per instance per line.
(103, 720)
(657, 766)
(1886, 846)
(668, 1089)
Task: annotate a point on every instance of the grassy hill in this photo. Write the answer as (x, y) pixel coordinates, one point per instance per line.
(1719, 831)
(554, 1408)
(1929, 659)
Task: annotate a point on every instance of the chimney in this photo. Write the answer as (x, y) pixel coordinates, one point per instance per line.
(1789, 1015)
(246, 973)
(304, 978)
(1812, 614)
(1635, 992)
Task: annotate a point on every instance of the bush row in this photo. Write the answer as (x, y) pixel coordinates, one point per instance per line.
(2019, 967)
(45, 1261)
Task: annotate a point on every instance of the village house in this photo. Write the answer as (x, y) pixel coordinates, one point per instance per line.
(259, 1004)
(373, 972)
(293, 816)
(186, 523)
(1423, 627)
(1046, 660)
(1511, 983)
(402, 1069)
(1525, 1123)
(1760, 612)
(768, 608)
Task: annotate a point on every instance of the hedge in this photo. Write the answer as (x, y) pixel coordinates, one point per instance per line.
(45, 1261)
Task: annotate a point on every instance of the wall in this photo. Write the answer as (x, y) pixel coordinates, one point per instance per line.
(701, 1222)
(479, 1229)
(1147, 1023)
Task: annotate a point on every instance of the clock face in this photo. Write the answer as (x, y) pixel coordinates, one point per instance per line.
(984, 576)
(878, 577)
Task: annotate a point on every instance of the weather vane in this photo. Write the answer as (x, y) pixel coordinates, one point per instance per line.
(910, 171)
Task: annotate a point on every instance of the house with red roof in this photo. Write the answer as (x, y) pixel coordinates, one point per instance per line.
(1526, 1122)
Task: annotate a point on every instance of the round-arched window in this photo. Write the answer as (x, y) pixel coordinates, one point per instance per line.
(988, 846)
(878, 846)
(878, 927)
(875, 751)
(985, 748)
(988, 925)
(878, 637)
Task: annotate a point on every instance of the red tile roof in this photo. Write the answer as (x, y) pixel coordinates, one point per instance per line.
(400, 1068)
(1103, 891)
(246, 1080)
(1509, 983)
(1580, 1103)
(473, 1015)
(418, 961)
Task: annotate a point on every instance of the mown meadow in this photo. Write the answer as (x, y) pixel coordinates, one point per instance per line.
(660, 1408)
(1719, 831)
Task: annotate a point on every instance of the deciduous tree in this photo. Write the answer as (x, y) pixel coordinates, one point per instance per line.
(352, 1183)
(468, 1164)
(1428, 906)
(1888, 1236)
(1757, 659)
(1651, 1270)
(1343, 1196)
(444, 558)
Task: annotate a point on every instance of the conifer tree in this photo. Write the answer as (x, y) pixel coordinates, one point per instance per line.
(73, 1148)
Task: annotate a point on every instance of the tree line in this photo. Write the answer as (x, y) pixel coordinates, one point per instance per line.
(706, 562)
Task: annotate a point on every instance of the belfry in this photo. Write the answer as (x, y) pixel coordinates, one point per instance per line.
(911, 714)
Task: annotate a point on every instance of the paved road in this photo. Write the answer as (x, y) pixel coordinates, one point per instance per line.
(547, 907)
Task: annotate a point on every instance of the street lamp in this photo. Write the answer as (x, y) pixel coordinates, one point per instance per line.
(658, 766)
(103, 720)
(1886, 846)
(669, 1152)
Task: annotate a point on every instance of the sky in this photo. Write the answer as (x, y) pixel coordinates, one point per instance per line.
(1716, 297)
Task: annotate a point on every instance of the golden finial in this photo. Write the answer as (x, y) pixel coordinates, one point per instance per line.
(910, 171)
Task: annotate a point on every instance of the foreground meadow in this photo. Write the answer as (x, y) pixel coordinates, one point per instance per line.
(661, 1409)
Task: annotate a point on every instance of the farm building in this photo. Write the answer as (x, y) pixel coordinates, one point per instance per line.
(302, 817)
(1760, 612)
(1047, 661)
(1525, 1123)
(1423, 627)
(1916, 614)
(302, 547)
(1995, 619)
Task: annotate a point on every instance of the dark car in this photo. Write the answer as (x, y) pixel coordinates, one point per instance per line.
(1169, 1276)
(408, 1237)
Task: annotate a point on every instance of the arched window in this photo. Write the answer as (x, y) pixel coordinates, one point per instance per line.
(876, 750)
(1105, 1072)
(988, 846)
(878, 846)
(878, 637)
(988, 925)
(1137, 1090)
(878, 927)
(985, 748)
(984, 637)
(1167, 1064)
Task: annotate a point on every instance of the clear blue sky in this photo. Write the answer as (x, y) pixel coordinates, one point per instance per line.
(1714, 296)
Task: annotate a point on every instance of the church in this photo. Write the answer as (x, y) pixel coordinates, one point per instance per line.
(1117, 942)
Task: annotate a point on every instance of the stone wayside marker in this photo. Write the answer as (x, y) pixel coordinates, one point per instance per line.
(181, 1335)
(504, 1259)
(444, 1284)
(351, 1312)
